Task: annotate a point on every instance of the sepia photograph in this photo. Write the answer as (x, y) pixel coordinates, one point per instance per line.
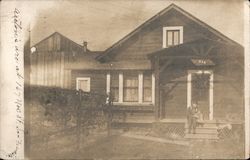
(124, 79)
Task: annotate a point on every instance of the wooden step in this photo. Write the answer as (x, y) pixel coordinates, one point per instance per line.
(204, 127)
(208, 122)
(205, 124)
(208, 125)
(203, 131)
(201, 136)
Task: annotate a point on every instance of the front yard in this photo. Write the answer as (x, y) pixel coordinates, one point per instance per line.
(51, 137)
(101, 146)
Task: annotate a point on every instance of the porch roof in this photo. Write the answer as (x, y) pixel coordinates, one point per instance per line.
(199, 48)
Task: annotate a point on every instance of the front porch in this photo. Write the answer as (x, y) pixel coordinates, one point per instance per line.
(205, 72)
(198, 72)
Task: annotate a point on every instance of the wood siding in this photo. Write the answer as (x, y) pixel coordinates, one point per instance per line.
(150, 39)
(174, 96)
(97, 80)
(49, 60)
(47, 69)
(228, 99)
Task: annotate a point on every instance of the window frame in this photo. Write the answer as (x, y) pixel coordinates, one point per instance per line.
(83, 79)
(171, 28)
(110, 86)
(147, 87)
(140, 90)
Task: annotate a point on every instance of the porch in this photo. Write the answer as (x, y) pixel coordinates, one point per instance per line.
(206, 72)
(197, 72)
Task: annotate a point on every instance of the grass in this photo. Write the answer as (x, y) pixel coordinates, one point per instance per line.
(100, 146)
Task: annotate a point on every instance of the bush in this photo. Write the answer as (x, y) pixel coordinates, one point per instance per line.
(62, 106)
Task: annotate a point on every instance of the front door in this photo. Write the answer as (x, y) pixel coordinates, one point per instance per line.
(200, 91)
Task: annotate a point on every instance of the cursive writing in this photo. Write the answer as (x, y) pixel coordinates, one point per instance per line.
(18, 102)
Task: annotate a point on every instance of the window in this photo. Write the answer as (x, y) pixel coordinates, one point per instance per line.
(172, 36)
(130, 88)
(83, 83)
(147, 88)
(114, 87)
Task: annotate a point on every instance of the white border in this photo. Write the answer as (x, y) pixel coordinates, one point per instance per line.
(247, 77)
(164, 37)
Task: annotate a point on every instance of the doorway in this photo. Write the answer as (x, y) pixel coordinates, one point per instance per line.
(200, 91)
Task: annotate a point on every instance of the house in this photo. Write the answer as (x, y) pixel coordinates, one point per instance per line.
(161, 68)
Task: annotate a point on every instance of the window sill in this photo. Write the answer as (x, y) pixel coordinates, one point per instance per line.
(133, 103)
(133, 107)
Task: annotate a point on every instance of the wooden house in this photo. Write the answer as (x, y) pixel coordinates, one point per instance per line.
(172, 60)
(158, 70)
(50, 58)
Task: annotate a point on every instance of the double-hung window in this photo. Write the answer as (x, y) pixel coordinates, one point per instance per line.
(172, 35)
(131, 87)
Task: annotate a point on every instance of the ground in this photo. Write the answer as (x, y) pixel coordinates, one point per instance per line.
(118, 146)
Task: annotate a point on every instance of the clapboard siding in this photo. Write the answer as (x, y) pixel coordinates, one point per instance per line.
(97, 80)
(174, 98)
(150, 38)
(228, 101)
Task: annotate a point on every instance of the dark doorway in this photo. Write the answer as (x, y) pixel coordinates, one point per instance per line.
(200, 92)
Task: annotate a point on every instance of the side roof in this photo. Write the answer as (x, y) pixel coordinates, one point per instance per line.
(157, 16)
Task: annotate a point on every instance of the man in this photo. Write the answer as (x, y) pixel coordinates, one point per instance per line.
(192, 116)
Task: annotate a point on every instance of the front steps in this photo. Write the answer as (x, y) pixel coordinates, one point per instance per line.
(207, 130)
(170, 128)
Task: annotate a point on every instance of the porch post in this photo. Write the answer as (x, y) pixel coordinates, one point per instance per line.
(157, 87)
(211, 96)
(189, 92)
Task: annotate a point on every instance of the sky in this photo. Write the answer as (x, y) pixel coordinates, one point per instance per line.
(103, 22)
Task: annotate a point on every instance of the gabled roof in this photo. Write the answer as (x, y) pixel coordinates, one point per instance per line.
(57, 33)
(157, 16)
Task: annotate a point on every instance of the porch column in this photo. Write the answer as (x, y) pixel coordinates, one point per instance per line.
(157, 86)
(211, 96)
(189, 92)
